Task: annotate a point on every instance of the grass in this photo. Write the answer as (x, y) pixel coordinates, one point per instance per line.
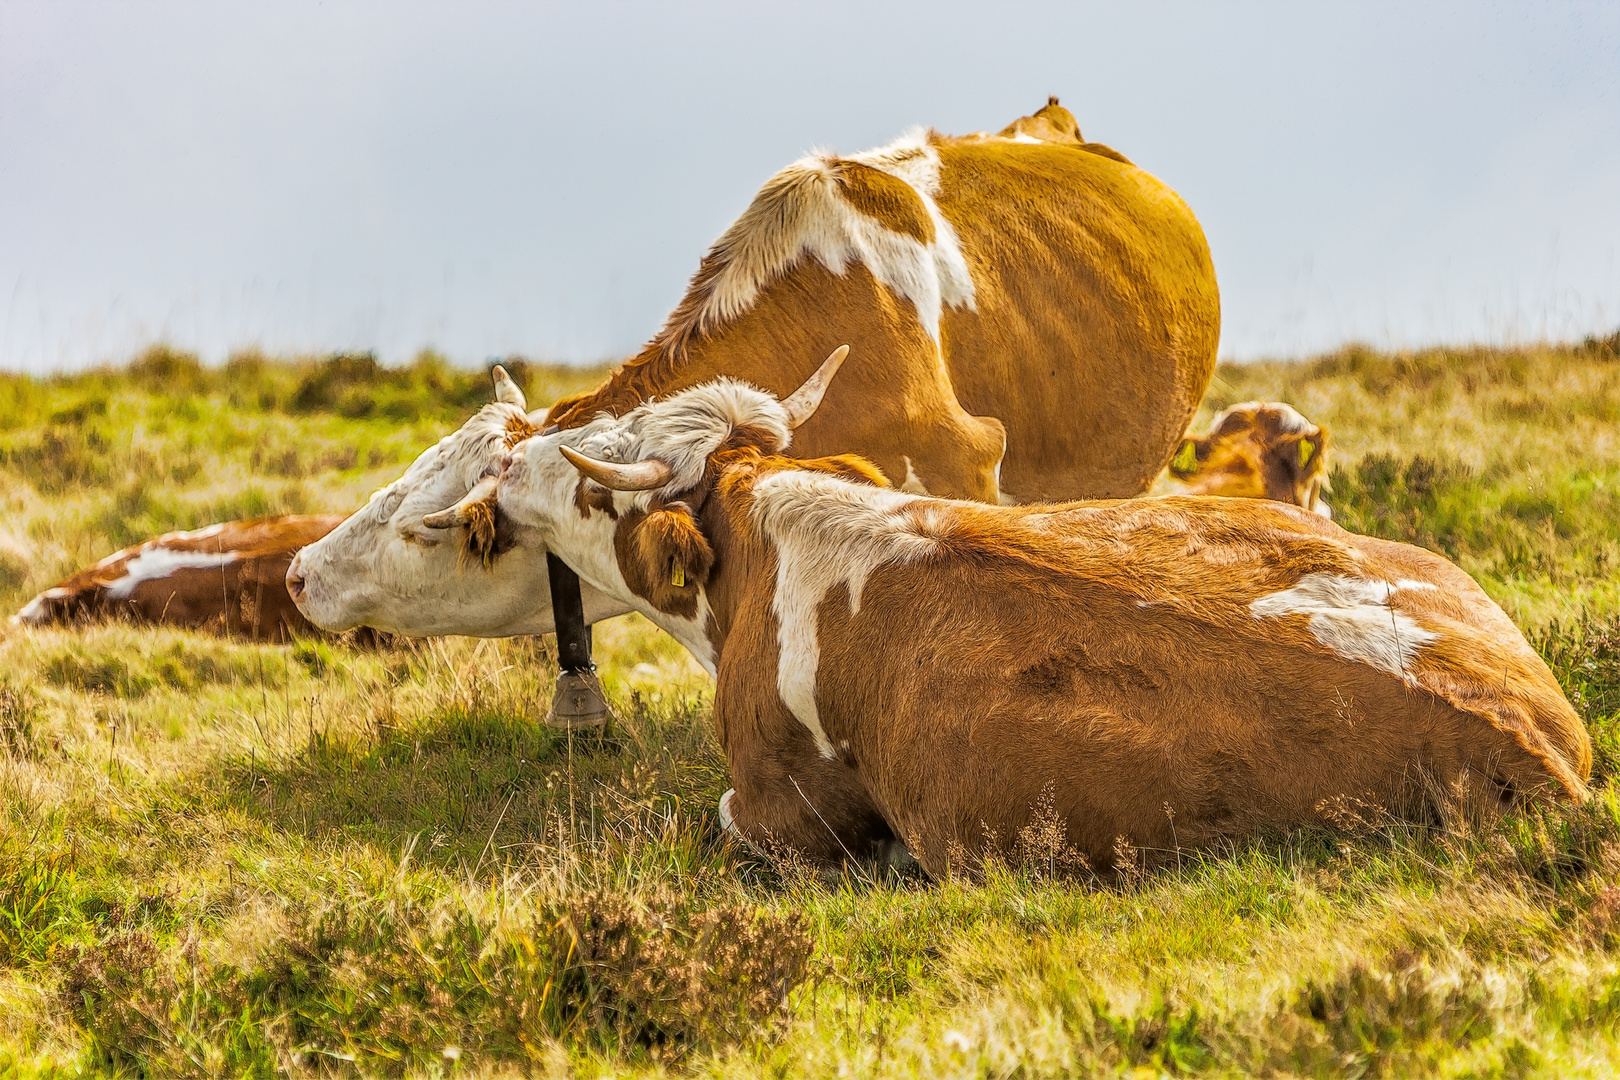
(219, 858)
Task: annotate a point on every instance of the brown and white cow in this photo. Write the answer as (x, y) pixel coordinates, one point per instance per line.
(1026, 292)
(228, 577)
(1175, 671)
(1256, 450)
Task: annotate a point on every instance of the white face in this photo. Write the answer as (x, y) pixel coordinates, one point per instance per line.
(538, 487)
(536, 495)
(383, 568)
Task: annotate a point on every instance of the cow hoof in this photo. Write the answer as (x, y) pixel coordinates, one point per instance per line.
(578, 702)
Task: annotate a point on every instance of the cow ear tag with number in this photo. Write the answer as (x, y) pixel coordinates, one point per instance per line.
(677, 576)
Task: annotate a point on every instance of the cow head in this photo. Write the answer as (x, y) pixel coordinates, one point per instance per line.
(620, 499)
(387, 567)
(1256, 450)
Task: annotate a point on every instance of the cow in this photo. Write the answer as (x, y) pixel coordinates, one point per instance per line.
(1158, 674)
(382, 568)
(228, 577)
(1256, 450)
(1037, 318)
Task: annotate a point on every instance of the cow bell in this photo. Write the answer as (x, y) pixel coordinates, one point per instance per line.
(578, 703)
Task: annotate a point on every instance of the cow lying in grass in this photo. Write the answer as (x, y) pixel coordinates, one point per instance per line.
(1174, 671)
(228, 577)
(1256, 450)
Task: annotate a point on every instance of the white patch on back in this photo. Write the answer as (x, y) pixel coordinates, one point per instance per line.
(1354, 618)
(829, 532)
(155, 563)
(800, 212)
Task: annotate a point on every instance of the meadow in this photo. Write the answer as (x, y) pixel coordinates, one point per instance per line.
(227, 859)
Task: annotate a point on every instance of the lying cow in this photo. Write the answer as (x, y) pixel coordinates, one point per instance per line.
(1256, 450)
(1173, 671)
(230, 577)
(1036, 315)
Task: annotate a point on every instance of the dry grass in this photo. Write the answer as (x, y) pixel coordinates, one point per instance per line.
(219, 858)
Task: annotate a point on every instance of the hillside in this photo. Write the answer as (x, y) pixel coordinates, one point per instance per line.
(219, 858)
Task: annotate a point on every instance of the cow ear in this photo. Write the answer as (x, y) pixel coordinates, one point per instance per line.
(507, 389)
(1307, 453)
(1185, 461)
(665, 557)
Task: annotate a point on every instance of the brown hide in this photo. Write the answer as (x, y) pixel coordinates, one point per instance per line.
(1104, 658)
(246, 596)
(1089, 344)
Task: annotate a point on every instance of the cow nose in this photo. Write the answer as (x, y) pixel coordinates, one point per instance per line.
(295, 580)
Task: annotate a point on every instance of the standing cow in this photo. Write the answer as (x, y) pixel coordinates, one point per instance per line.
(1173, 671)
(1036, 318)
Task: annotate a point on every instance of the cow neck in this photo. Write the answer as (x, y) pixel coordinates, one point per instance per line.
(742, 553)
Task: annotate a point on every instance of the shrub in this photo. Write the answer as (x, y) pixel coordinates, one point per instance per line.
(662, 971)
(1406, 499)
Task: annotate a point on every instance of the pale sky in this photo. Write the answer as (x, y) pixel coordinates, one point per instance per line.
(488, 179)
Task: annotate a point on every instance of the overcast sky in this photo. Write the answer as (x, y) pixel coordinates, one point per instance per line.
(488, 179)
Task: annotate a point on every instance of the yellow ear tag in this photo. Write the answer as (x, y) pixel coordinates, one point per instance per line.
(1306, 449)
(677, 576)
(1186, 459)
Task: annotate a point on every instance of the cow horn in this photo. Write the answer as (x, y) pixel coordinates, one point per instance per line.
(457, 514)
(640, 476)
(506, 389)
(802, 403)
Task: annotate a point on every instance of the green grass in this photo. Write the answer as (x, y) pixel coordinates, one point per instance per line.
(219, 858)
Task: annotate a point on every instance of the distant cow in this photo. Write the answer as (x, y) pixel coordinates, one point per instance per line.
(229, 577)
(1173, 671)
(1032, 314)
(1256, 450)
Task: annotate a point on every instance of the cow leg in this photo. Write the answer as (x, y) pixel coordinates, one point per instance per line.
(578, 702)
(963, 459)
(815, 808)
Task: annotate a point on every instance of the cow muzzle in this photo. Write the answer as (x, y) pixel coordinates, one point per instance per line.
(295, 579)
